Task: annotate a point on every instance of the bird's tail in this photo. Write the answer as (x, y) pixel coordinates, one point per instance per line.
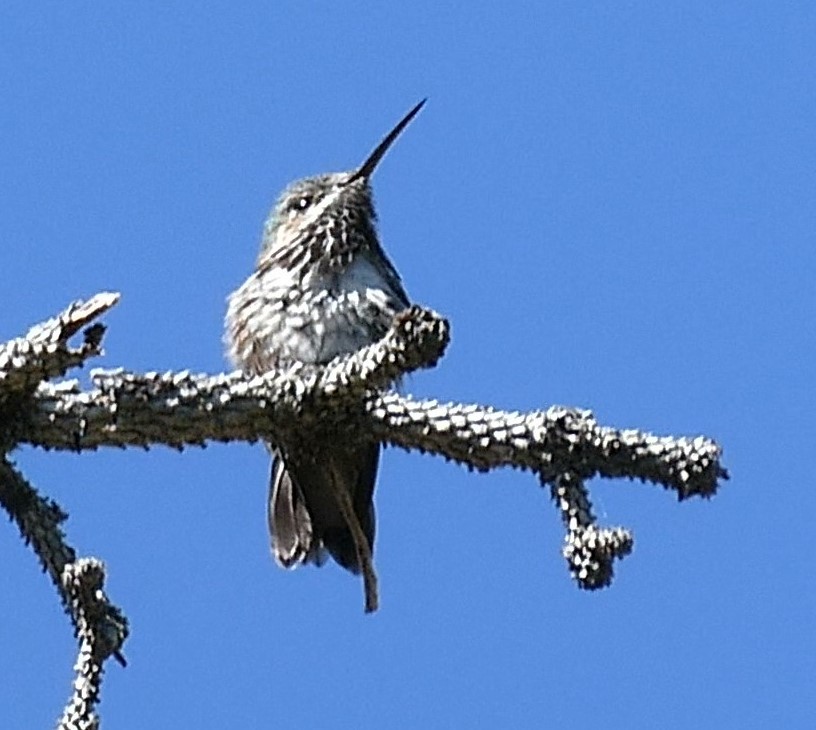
(304, 518)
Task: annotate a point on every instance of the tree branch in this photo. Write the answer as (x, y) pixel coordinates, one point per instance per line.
(100, 632)
(100, 626)
(550, 443)
(180, 409)
(564, 447)
(44, 352)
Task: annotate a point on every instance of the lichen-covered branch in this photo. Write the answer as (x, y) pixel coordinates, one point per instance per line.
(44, 352)
(183, 409)
(563, 447)
(98, 624)
(100, 631)
(38, 520)
(550, 443)
(590, 551)
(101, 628)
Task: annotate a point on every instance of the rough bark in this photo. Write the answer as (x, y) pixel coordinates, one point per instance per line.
(563, 447)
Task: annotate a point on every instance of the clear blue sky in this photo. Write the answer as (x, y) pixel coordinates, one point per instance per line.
(614, 204)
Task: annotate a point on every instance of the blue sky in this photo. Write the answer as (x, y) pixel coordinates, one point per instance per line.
(613, 203)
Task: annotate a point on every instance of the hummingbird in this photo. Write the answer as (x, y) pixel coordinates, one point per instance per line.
(322, 287)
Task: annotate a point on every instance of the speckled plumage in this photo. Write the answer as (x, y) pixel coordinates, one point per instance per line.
(322, 287)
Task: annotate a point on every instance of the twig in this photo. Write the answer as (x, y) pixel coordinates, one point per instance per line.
(364, 560)
(99, 638)
(39, 522)
(44, 352)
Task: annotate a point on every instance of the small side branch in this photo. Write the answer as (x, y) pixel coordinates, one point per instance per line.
(590, 551)
(44, 352)
(364, 559)
(39, 522)
(416, 340)
(98, 635)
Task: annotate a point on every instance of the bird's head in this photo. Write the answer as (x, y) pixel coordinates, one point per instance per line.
(327, 210)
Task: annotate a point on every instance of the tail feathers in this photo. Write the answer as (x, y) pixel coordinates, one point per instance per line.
(304, 519)
(290, 527)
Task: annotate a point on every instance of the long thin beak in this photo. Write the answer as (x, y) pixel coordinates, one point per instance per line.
(365, 170)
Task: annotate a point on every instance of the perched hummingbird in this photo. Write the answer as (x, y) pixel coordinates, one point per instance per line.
(322, 287)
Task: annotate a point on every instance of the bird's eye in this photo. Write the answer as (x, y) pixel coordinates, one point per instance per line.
(295, 206)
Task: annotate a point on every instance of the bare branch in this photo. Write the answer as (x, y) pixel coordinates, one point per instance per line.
(182, 409)
(563, 447)
(39, 522)
(590, 551)
(99, 637)
(550, 443)
(44, 352)
(179, 409)
(372, 598)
